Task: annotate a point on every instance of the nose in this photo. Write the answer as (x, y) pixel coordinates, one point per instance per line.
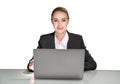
(59, 24)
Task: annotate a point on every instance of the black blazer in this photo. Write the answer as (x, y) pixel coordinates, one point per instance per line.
(75, 42)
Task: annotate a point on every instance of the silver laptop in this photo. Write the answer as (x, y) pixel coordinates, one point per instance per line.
(59, 63)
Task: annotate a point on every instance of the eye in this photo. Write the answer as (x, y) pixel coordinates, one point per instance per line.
(64, 20)
(55, 20)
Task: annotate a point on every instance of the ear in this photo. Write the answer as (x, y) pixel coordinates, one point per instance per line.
(68, 21)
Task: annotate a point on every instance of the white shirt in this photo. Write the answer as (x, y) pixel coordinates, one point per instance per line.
(63, 43)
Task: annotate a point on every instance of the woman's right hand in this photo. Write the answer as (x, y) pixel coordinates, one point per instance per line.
(31, 65)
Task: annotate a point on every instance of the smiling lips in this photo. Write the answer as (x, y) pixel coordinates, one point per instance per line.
(59, 28)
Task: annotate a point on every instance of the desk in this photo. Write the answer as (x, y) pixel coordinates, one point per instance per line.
(21, 76)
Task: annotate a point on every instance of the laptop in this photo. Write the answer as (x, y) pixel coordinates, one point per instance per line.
(59, 63)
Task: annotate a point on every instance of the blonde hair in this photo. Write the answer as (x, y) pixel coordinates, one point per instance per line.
(62, 9)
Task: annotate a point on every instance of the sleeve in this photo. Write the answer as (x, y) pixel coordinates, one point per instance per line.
(90, 63)
(39, 46)
(39, 43)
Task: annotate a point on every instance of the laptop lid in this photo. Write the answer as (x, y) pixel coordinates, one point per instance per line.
(59, 63)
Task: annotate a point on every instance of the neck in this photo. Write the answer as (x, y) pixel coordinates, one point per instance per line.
(60, 36)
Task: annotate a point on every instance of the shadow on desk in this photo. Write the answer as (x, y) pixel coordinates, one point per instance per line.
(89, 77)
(22, 76)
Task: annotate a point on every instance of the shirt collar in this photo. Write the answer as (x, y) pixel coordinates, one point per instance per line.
(63, 42)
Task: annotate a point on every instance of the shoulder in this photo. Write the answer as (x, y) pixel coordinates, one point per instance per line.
(47, 36)
(73, 35)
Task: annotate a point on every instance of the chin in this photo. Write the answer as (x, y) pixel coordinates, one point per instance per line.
(60, 32)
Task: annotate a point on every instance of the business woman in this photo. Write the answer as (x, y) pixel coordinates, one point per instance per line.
(63, 39)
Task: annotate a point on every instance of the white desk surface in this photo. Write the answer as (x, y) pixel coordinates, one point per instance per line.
(21, 76)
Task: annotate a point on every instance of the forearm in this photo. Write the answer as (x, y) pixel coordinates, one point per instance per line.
(90, 63)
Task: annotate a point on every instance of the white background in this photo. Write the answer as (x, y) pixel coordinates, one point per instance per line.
(23, 21)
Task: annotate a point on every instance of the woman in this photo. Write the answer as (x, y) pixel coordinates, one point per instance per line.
(62, 39)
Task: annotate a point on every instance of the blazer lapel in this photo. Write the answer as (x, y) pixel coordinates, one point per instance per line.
(69, 41)
(51, 42)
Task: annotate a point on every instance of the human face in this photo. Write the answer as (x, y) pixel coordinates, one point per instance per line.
(60, 22)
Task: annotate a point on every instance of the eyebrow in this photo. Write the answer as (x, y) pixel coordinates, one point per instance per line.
(62, 18)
